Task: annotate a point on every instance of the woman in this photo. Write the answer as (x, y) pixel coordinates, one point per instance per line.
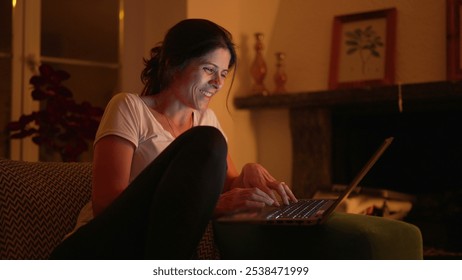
(161, 169)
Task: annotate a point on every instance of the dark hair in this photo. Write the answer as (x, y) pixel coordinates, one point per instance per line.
(187, 40)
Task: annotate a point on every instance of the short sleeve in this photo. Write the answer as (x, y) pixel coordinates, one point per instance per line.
(121, 118)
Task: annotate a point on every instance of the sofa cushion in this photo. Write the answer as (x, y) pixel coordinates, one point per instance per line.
(39, 203)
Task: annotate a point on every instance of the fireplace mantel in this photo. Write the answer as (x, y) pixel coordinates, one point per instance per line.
(311, 119)
(444, 92)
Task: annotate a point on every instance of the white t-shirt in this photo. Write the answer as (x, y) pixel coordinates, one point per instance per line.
(127, 116)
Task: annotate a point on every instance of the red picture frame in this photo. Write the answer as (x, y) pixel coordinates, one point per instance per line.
(363, 49)
(453, 27)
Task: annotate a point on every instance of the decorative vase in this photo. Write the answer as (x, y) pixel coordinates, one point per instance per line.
(280, 77)
(259, 69)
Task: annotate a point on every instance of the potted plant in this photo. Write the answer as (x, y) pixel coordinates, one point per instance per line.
(61, 125)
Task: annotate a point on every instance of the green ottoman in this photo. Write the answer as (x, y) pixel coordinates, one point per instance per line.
(343, 236)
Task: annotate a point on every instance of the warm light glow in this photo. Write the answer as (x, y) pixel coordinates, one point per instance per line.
(14, 4)
(121, 15)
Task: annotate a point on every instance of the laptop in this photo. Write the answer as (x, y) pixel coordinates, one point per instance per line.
(305, 211)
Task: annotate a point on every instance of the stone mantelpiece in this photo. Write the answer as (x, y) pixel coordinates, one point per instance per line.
(312, 115)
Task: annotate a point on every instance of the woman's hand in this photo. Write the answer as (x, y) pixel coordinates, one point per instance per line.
(254, 176)
(242, 199)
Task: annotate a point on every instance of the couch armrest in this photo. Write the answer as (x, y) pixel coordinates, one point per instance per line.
(39, 203)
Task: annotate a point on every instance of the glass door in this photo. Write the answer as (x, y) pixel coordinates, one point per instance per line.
(80, 37)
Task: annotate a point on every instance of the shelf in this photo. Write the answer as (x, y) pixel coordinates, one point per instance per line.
(446, 92)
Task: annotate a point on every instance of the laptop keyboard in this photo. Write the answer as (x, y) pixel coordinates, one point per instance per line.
(300, 209)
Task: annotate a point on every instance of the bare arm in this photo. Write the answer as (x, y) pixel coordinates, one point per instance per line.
(112, 161)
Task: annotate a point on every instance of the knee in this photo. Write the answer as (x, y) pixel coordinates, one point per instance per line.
(210, 138)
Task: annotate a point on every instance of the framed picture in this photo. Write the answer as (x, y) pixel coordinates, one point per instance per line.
(363, 49)
(454, 57)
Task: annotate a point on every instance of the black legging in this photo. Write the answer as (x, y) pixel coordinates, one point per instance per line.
(163, 213)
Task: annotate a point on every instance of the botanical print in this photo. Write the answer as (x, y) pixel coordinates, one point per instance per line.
(365, 42)
(362, 50)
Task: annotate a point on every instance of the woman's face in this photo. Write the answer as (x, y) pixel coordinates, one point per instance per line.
(202, 79)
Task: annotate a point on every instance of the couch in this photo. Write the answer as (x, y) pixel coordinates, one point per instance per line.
(39, 202)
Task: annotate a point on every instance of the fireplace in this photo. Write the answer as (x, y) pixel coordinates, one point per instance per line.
(335, 132)
(425, 157)
(425, 160)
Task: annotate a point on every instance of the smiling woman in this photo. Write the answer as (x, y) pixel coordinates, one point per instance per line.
(194, 86)
(166, 146)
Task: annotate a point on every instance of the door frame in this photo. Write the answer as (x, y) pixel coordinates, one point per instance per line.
(25, 62)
